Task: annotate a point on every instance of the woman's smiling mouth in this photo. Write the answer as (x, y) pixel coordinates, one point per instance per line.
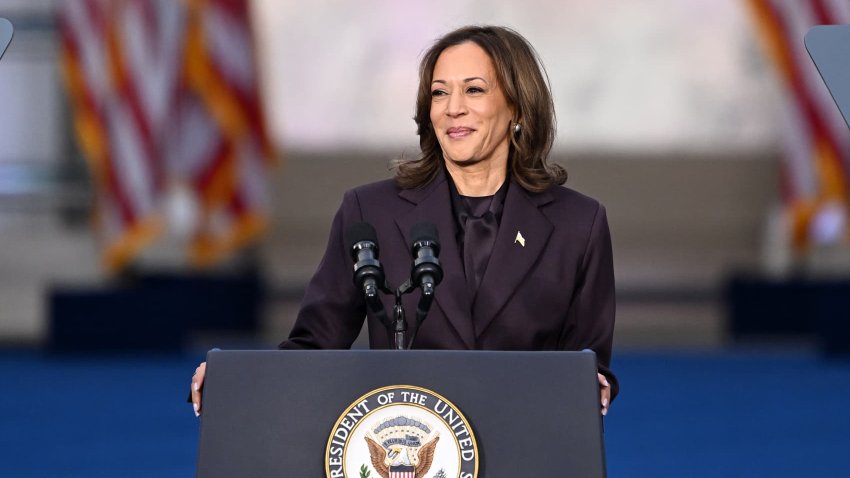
(458, 132)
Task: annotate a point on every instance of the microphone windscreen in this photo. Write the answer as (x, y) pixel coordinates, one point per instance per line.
(424, 231)
(361, 231)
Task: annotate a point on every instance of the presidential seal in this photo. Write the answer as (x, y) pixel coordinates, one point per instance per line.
(401, 431)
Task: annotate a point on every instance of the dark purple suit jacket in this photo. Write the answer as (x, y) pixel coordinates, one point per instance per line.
(554, 293)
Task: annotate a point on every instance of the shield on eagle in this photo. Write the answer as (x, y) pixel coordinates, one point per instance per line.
(402, 447)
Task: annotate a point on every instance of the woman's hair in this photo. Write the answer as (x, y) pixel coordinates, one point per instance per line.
(525, 85)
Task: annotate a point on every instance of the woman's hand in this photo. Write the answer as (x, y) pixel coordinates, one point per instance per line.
(198, 387)
(604, 392)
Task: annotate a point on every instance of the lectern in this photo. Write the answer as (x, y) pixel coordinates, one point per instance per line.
(419, 414)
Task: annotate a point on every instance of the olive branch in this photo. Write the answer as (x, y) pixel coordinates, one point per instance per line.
(364, 472)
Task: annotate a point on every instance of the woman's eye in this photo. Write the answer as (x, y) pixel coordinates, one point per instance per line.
(475, 89)
(438, 93)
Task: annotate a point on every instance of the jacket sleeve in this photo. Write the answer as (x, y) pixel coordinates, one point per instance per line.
(592, 310)
(332, 312)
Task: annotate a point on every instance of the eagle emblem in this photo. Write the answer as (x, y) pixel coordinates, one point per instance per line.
(409, 432)
(402, 447)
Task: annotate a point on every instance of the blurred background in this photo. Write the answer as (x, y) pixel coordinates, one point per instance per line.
(169, 170)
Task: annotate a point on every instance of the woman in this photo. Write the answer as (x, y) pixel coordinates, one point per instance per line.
(527, 264)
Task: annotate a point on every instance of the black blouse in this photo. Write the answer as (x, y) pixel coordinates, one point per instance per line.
(477, 222)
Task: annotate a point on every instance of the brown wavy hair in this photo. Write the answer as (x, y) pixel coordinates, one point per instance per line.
(525, 85)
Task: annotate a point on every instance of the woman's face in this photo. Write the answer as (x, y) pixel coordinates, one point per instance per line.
(469, 112)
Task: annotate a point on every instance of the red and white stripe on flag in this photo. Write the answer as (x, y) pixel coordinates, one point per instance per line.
(164, 91)
(402, 474)
(817, 142)
(115, 83)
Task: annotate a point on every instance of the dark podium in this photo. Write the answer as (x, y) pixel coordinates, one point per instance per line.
(286, 413)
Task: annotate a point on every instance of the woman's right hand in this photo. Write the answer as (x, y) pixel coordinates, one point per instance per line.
(198, 387)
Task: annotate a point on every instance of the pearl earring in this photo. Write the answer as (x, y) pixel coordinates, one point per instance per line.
(517, 129)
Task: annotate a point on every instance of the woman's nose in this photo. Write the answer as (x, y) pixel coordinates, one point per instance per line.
(456, 106)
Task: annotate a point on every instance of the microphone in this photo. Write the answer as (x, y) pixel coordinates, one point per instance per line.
(427, 272)
(368, 273)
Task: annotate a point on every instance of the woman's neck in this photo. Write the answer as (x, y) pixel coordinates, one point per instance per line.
(476, 180)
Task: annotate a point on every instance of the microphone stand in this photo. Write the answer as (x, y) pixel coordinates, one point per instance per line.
(400, 322)
(396, 328)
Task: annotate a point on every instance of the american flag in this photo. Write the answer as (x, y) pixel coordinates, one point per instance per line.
(165, 93)
(226, 152)
(817, 143)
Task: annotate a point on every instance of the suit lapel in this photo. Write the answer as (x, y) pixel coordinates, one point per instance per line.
(511, 261)
(433, 204)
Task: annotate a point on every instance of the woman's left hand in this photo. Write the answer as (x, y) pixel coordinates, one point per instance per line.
(604, 393)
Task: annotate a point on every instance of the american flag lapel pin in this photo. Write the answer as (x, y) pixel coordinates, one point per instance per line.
(519, 239)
